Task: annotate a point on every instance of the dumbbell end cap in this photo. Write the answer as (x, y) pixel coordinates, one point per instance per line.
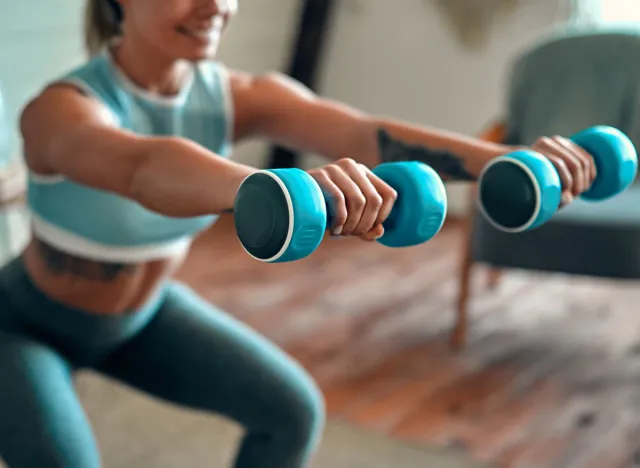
(263, 216)
(280, 215)
(615, 157)
(421, 207)
(517, 190)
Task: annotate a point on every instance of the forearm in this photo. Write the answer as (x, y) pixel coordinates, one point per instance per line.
(180, 178)
(453, 156)
(290, 115)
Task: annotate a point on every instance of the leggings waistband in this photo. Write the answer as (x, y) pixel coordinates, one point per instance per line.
(74, 329)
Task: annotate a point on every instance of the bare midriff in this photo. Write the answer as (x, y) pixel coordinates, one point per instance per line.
(94, 286)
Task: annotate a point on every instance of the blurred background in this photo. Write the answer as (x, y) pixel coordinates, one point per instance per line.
(476, 349)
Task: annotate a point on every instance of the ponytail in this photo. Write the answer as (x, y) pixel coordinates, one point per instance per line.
(102, 24)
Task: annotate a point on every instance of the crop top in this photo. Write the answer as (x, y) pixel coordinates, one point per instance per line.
(103, 226)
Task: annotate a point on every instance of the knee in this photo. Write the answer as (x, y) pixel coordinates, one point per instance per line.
(303, 413)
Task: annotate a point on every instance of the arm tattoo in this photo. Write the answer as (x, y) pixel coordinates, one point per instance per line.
(59, 263)
(447, 165)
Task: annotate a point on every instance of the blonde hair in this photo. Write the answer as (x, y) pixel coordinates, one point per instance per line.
(101, 24)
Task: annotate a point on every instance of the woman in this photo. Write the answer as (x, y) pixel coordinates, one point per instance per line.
(128, 161)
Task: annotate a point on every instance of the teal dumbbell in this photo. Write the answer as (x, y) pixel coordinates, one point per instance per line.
(522, 190)
(281, 215)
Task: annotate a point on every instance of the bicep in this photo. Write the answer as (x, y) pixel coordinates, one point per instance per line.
(287, 112)
(67, 133)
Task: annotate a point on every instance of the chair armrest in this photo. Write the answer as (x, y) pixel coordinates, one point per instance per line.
(495, 132)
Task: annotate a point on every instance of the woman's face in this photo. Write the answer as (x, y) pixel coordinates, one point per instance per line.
(182, 29)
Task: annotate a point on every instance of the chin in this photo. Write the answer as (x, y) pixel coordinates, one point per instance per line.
(199, 54)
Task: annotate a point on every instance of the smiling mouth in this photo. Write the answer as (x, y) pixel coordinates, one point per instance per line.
(202, 35)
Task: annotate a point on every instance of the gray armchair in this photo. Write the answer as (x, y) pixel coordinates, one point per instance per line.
(568, 82)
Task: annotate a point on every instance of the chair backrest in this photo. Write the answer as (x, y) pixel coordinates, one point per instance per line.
(574, 80)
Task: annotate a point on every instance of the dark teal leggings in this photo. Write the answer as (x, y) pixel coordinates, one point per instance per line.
(179, 349)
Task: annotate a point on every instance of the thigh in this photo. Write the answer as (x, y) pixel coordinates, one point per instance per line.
(195, 355)
(43, 422)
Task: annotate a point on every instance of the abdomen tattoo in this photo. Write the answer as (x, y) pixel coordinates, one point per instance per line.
(60, 263)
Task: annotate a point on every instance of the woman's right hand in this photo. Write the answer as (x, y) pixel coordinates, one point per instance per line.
(360, 200)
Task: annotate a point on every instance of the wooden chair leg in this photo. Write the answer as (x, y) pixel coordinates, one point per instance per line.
(495, 133)
(460, 330)
(458, 337)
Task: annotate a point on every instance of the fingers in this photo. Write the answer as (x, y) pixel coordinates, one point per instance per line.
(574, 165)
(388, 193)
(588, 164)
(361, 201)
(379, 195)
(375, 233)
(567, 198)
(566, 178)
(336, 200)
(568, 166)
(355, 197)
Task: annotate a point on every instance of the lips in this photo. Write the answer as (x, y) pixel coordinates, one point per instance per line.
(209, 33)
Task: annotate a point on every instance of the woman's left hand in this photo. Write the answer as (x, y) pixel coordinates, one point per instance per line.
(575, 166)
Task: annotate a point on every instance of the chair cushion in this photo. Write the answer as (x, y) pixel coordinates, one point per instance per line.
(622, 210)
(591, 239)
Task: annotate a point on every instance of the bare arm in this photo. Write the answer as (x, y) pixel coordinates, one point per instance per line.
(284, 111)
(68, 133)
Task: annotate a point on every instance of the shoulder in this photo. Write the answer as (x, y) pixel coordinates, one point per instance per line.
(71, 95)
(256, 97)
(271, 90)
(269, 82)
(59, 109)
(62, 99)
(93, 72)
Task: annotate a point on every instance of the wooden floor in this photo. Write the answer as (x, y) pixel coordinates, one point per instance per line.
(550, 378)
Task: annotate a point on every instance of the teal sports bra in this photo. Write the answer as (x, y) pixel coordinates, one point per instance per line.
(103, 226)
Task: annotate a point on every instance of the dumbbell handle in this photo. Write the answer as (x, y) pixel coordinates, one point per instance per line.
(424, 224)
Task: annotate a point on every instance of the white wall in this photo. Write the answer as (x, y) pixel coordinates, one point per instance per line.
(38, 40)
(619, 10)
(386, 57)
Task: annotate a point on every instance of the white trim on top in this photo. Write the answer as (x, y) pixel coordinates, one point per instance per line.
(73, 244)
(46, 179)
(176, 100)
